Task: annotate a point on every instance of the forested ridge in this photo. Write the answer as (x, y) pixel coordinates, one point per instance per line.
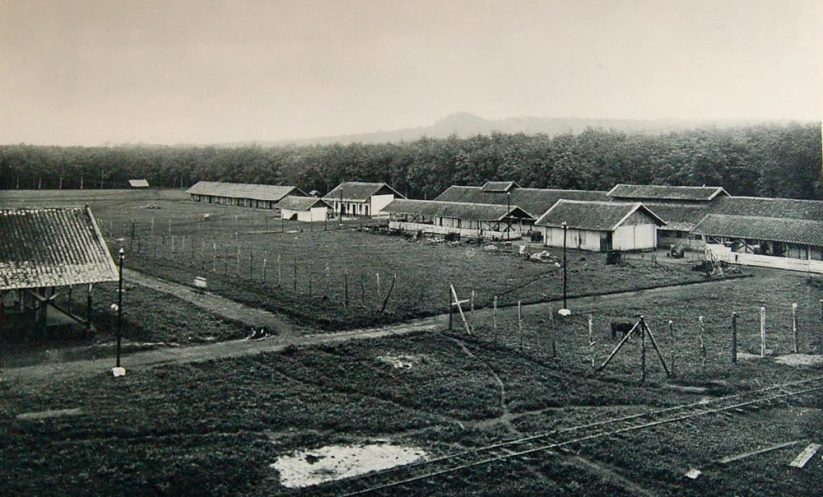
(763, 160)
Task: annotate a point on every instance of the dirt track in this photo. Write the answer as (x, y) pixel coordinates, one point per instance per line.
(289, 333)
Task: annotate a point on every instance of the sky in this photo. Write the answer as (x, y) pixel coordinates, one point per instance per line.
(95, 72)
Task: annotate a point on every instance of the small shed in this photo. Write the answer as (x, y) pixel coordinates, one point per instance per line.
(139, 183)
(600, 226)
(45, 252)
(307, 209)
(466, 219)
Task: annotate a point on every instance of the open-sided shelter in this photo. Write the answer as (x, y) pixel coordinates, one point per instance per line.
(307, 209)
(47, 251)
(600, 226)
(354, 198)
(241, 194)
(463, 218)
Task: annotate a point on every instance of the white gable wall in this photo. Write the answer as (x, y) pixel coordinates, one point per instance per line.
(378, 202)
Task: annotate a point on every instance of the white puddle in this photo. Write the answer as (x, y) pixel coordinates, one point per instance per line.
(336, 462)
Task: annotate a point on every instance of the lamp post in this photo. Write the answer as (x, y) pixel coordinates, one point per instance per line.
(565, 310)
(120, 306)
(508, 213)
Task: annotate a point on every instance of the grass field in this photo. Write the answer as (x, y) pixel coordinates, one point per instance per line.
(214, 427)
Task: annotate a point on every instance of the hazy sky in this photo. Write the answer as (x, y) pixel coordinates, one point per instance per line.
(197, 71)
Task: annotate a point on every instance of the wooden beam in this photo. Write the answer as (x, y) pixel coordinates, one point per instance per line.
(729, 459)
(804, 456)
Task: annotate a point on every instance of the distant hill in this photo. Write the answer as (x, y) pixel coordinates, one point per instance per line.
(464, 124)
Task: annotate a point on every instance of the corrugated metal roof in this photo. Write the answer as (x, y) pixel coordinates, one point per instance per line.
(679, 217)
(533, 200)
(811, 210)
(354, 191)
(139, 183)
(52, 247)
(798, 231)
(455, 210)
(593, 216)
(664, 192)
(499, 186)
(301, 203)
(244, 190)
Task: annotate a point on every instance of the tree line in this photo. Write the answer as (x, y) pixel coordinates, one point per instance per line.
(765, 160)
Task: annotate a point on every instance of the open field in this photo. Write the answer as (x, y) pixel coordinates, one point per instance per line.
(215, 427)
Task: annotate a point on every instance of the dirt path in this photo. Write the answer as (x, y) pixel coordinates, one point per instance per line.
(215, 303)
(290, 334)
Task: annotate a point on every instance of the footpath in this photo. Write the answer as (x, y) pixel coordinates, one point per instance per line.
(289, 334)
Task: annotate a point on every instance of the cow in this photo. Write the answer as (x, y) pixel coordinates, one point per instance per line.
(623, 327)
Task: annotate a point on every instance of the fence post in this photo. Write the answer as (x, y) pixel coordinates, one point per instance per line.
(520, 324)
(551, 327)
(294, 286)
(643, 348)
(451, 316)
(346, 288)
(471, 303)
(702, 342)
(734, 337)
(591, 338)
(794, 326)
(673, 351)
(494, 318)
(762, 332)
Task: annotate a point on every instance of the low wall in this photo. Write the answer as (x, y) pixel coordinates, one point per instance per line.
(442, 230)
(725, 254)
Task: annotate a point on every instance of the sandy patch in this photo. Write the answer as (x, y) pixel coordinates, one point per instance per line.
(56, 413)
(799, 360)
(336, 462)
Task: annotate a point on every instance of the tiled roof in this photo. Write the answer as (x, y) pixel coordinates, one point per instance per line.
(533, 200)
(455, 210)
(139, 183)
(799, 231)
(301, 203)
(679, 217)
(772, 207)
(593, 216)
(52, 247)
(662, 192)
(243, 190)
(354, 191)
(499, 186)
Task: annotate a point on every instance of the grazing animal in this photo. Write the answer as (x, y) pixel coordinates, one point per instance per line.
(622, 327)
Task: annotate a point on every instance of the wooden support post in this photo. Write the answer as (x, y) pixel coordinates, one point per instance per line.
(88, 308)
(552, 332)
(214, 257)
(251, 264)
(619, 346)
(378, 286)
(265, 260)
(328, 279)
(451, 313)
(656, 348)
(794, 326)
(386, 301)
(172, 247)
(642, 350)
(237, 265)
(762, 332)
(294, 285)
(362, 291)
(702, 342)
(734, 337)
(520, 324)
(279, 270)
(460, 310)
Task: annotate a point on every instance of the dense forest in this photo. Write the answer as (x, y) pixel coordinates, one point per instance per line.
(764, 160)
